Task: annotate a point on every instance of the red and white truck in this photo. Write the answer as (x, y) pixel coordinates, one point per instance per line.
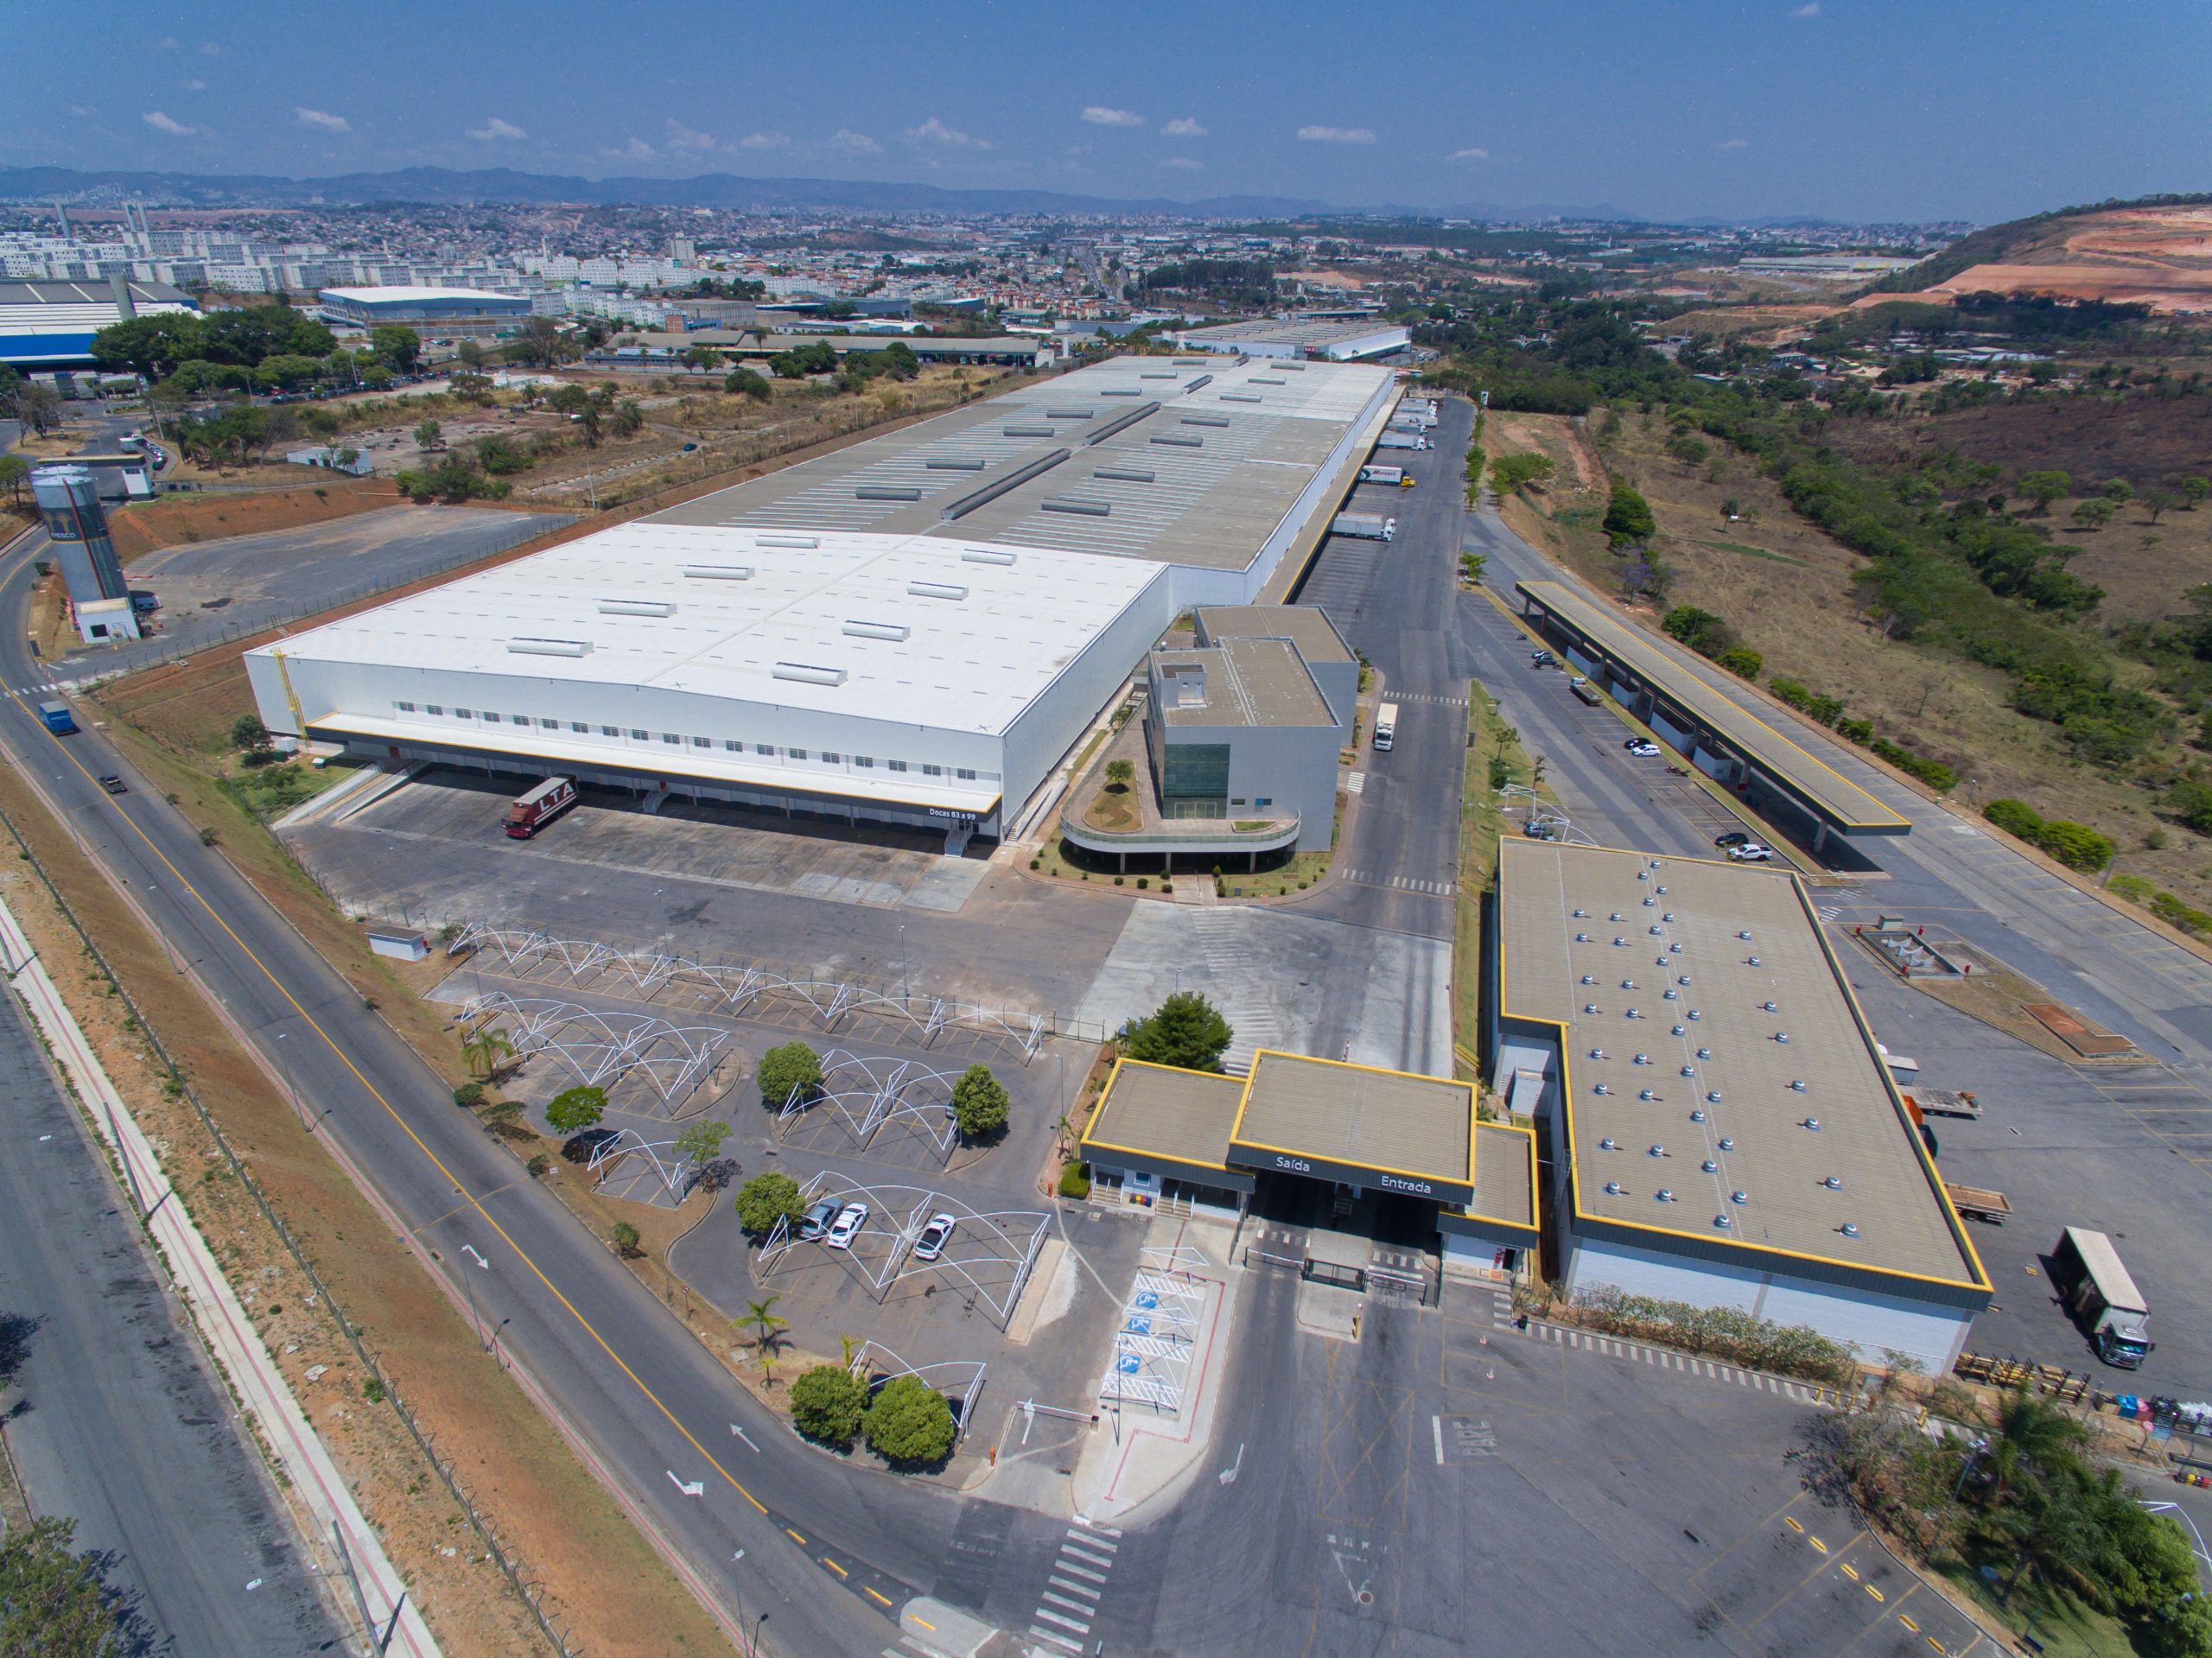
(534, 810)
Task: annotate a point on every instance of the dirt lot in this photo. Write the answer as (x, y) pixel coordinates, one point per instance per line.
(605, 1582)
(178, 519)
(1786, 589)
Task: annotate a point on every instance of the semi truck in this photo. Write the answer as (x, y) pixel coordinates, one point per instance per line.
(534, 810)
(1401, 441)
(2096, 1290)
(1364, 526)
(1386, 726)
(58, 718)
(1397, 475)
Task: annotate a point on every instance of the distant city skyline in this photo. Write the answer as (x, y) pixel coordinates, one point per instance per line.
(1844, 110)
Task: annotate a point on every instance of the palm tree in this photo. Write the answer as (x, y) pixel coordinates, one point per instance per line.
(767, 1327)
(485, 1050)
(2034, 1439)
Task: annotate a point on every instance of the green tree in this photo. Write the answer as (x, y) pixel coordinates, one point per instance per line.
(792, 1068)
(248, 732)
(14, 473)
(473, 354)
(768, 1326)
(2076, 845)
(1119, 773)
(428, 434)
(1740, 660)
(289, 370)
(485, 1049)
(2194, 490)
(2043, 487)
(766, 1198)
(1699, 629)
(625, 1237)
(543, 342)
(827, 1405)
(2095, 513)
(744, 382)
(1185, 1031)
(574, 1109)
(2118, 490)
(979, 1102)
(702, 1142)
(2014, 817)
(1730, 510)
(909, 1425)
(151, 345)
(1511, 472)
(52, 1601)
(1628, 520)
(399, 348)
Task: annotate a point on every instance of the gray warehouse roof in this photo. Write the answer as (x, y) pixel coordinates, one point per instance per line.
(1245, 683)
(1711, 988)
(1304, 626)
(1141, 457)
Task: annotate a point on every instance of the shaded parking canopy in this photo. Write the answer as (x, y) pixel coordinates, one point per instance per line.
(1717, 719)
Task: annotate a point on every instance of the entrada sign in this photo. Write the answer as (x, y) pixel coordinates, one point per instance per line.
(1352, 1174)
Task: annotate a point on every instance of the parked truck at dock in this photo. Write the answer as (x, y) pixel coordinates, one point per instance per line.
(1364, 526)
(534, 810)
(2095, 1288)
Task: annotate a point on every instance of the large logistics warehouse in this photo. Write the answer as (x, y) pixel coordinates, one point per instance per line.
(1717, 1122)
(50, 325)
(914, 630)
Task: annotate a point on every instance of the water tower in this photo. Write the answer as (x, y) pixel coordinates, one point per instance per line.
(70, 502)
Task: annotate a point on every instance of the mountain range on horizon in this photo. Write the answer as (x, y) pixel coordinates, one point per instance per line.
(438, 186)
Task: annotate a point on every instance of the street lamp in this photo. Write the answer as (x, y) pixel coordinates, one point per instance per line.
(284, 1060)
(904, 992)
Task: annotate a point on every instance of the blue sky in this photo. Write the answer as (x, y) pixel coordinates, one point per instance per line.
(1846, 108)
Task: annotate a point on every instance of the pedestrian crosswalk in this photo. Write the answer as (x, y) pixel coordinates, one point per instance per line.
(1402, 883)
(1237, 971)
(1356, 784)
(1068, 1603)
(1401, 698)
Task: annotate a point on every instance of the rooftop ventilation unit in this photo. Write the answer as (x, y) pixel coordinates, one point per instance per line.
(1070, 413)
(1608, 1144)
(1709, 1166)
(787, 541)
(1723, 1222)
(1162, 375)
(1813, 1123)
(1739, 1196)
(1645, 1094)
(998, 486)
(986, 556)
(806, 674)
(1579, 914)
(637, 607)
(550, 647)
(1834, 1183)
(1657, 1151)
(1797, 1085)
(1028, 431)
(1204, 419)
(954, 464)
(1612, 1188)
(1203, 379)
(1121, 423)
(1665, 1195)
(1290, 368)
(1589, 1006)
(936, 590)
(877, 492)
(895, 631)
(1237, 397)
(1081, 509)
(1697, 1113)
(1120, 391)
(718, 572)
(1177, 441)
(1265, 379)
(1849, 1228)
(1125, 474)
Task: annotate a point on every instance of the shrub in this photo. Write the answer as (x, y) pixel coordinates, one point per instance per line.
(1932, 772)
(575, 1108)
(2176, 914)
(1074, 1181)
(248, 732)
(979, 1102)
(1185, 1031)
(765, 1199)
(625, 1240)
(910, 1424)
(1741, 660)
(2134, 888)
(2191, 802)
(1728, 1332)
(827, 1405)
(1857, 731)
(2014, 817)
(2076, 845)
(468, 1096)
(1694, 627)
(1628, 516)
(791, 1068)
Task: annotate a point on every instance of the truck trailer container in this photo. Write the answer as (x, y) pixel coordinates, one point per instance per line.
(1386, 726)
(1401, 441)
(57, 717)
(1364, 526)
(534, 810)
(1397, 475)
(2095, 1288)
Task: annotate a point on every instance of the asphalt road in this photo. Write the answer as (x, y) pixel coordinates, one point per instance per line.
(115, 1400)
(653, 1408)
(2128, 1149)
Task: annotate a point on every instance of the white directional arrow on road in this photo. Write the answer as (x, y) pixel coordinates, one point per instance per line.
(690, 1487)
(748, 1438)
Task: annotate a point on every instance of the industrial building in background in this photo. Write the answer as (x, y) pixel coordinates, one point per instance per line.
(1718, 1126)
(47, 326)
(449, 310)
(1329, 339)
(915, 629)
(99, 600)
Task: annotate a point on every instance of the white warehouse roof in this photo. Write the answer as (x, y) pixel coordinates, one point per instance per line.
(955, 635)
(403, 293)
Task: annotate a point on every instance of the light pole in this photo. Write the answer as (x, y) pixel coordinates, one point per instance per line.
(904, 993)
(284, 1060)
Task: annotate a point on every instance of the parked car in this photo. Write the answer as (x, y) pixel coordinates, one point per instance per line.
(934, 1237)
(1752, 852)
(114, 784)
(816, 1221)
(1543, 658)
(847, 1226)
(1734, 837)
(1643, 749)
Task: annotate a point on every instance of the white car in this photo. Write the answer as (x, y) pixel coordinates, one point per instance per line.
(1752, 852)
(934, 1237)
(847, 1226)
(1644, 751)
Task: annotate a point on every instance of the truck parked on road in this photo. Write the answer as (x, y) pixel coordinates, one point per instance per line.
(58, 718)
(2095, 1288)
(1386, 726)
(534, 810)
(1364, 526)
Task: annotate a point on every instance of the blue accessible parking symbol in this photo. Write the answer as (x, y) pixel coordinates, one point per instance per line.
(1139, 1323)
(1128, 1364)
(1147, 1299)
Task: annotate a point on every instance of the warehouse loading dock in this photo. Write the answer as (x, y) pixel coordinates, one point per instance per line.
(1301, 1123)
(1723, 739)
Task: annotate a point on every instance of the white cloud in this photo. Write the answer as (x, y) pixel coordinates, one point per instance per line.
(1099, 115)
(1183, 127)
(1471, 155)
(636, 151)
(1338, 134)
(323, 118)
(162, 123)
(765, 141)
(195, 85)
(170, 43)
(683, 140)
(1183, 164)
(494, 130)
(1733, 144)
(209, 49)
(846, 141)
(1810, 9)
(934, 131)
